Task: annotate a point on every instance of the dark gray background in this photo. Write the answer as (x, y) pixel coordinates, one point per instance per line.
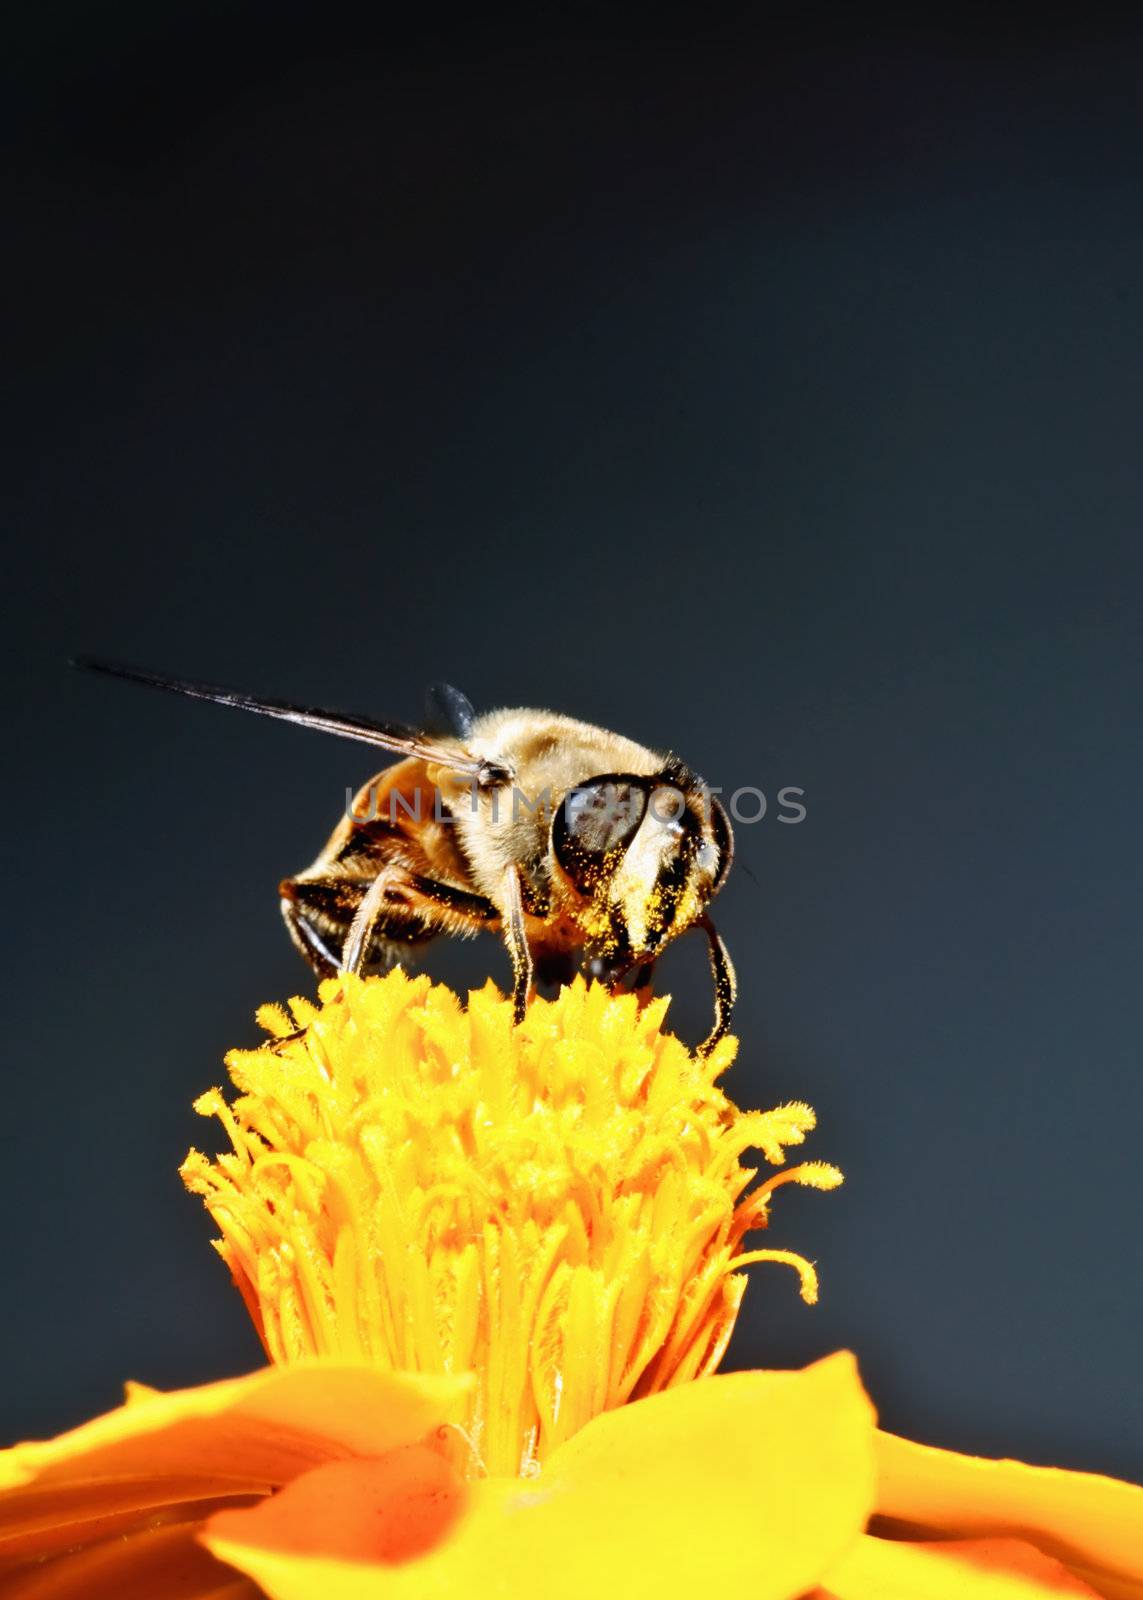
(772, 393)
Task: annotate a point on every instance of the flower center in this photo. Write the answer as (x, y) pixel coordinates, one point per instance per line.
(558, 1207)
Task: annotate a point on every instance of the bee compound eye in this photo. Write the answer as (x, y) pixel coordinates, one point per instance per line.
(594, 821)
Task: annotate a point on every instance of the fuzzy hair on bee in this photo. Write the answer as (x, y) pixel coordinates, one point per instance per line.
(582, 849)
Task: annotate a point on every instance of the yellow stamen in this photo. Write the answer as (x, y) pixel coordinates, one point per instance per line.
(558, 1207)
(805, 1269)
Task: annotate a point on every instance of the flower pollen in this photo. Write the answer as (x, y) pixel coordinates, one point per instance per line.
(558, 1207)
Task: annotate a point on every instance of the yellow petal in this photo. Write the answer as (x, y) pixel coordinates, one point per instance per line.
(964, 1569)
(262, 1428)
(167, 1459)
(754, 1479)
(1093, 1524)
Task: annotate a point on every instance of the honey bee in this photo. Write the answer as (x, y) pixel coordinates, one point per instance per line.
(581, 848)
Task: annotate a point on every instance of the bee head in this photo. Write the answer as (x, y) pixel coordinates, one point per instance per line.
(643, 855)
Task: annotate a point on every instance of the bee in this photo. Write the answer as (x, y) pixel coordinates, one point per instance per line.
(579, 847)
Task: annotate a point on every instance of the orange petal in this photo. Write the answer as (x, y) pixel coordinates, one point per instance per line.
(166, 1459)
(165, 1563)
(754, 1480)
(963, 1569)
(386, 1510)
(1093, 1524)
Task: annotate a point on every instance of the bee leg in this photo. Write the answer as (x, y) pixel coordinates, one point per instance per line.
(516, 939)
(305, 936)
(320, 911)
(640, 985)
(342, 923)
(725, 985)
(353, 951)
(415, 892)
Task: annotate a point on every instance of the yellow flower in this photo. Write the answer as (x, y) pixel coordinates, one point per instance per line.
(487, 1263)
(759, 1479)
(558, 1208)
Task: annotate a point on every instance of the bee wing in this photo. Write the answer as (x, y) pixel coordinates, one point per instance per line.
(390, 736)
